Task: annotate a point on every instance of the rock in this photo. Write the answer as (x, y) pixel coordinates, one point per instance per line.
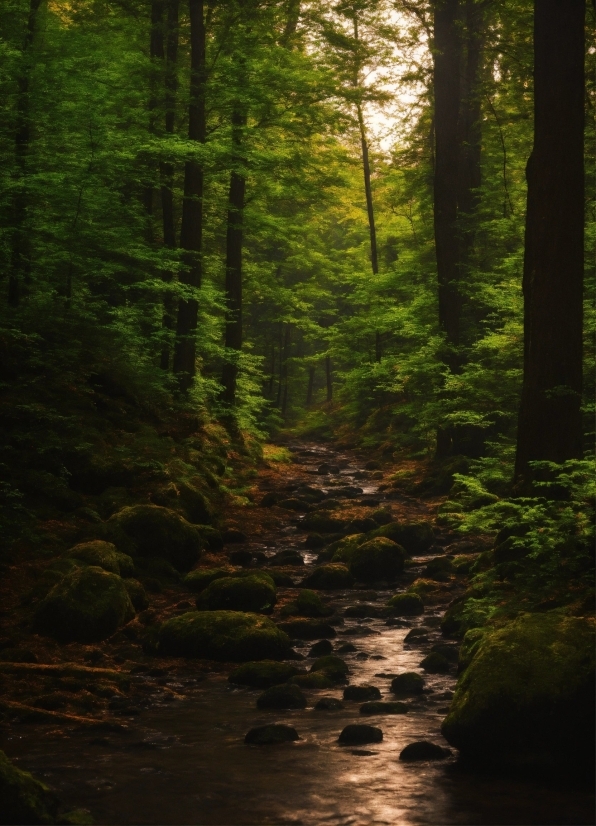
(527, 696)
(469, 647)
(200, 578)
(406, 605)
(241, 557)
(377, 559)
(357, 735)
(269, 499)
(347, 648)
(228, 636)
(423, 750)
(361, 525)
(407, 683)
(247, 593)
(271, 735)
(310, 494)
(343, 549)
(287, 557)
(297, 505)
(384, 708)
(282, 696)
(263, 674)
(317, 679)
(417, 635)
(348, 491)
(157, 531)
(361, 693)
(435, 663)
(211, 537)
(319, 523)
(333, 667)
(363, 611)
(196, 505)
(138, 595)
(233, 535)
(329, 704)
(308, 629)
(439, 568)
(326, 469)
(464, 613)
(103, 555)
(329, 578)
(309, 604)
(314, 541)
(372, 464)
(382, 517)
(23, 798)
(87, 605)
(415, 537)
(280, 578)
(450, 652)
(424, 587)
(321, 649)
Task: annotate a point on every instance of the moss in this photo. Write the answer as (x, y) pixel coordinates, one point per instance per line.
(262, 674)
(329, 578)
(229, 636)
(23, 798)
(462, 564)
(98, 552)
(343, 549)
(282, 696)
(200, 578)
(196, 505)
(469, 647)
(377, 559)
(315, 680)
(157, 531)
(407, 683)
(241, 593)
(423, 587)
(405, 605)
(138, 595)
(439, 568)
(309, 604)
(435, 663)
(415, 537)
(332, 667)
(87, 605)
(464, 613)
(527, 696)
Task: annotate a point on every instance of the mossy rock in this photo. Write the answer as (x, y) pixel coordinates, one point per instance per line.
(357, 734)
(377, 559)
(210, 537)
(333, 667)
(406, 605)
(308, 629)
(343, 549)
(200, 578)
(309, 604)
(469, 647)
(99, 553)
(23, 799)
(87, 605)
(282, 696)
(332, 577)
(280, 578)
(439, 568)
(408, 683)
(361, 693)
(196, 505)
(526, 700)
(464, 613)
(245, 593)
(138, 595)
(262, 674)
(414, 537)
(435, 663)
(462, 564)
(157, 531)
(319, 523)
(315, 680)
(423, 587)
(228, 636)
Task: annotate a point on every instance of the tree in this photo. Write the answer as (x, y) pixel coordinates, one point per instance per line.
(549, 424)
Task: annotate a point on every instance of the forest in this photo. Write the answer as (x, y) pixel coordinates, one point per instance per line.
(297, 377)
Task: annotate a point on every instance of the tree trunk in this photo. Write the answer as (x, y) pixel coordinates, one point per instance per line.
(329, 378)
(549, 424)
(20, 259)
(191, 235)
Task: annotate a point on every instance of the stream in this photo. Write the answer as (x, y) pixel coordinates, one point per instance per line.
(185, 761)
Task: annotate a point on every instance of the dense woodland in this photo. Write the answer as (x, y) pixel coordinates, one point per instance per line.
(362, 222)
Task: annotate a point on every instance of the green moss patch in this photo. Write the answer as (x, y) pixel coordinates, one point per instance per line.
(377, 559)
(243, 593)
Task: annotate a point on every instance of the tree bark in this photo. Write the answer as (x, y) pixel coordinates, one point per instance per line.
(549, 423)
(20, 259)
(191, 234)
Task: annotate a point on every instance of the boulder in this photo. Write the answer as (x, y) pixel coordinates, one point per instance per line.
(417, 635)
(269, 499)
(439, 568)
(329, 704)
(157, 531)
(405, 605)
(424, 587)
(384, 708)
(282, 696)
(138, 595)
(309, 604)
(263, 674)
(243, 593)
(343, 549)
(527, 696)
(200, 578)
(23, 799)
(408, 683)
(464, 613)
(316, 679)
(287, 557)
(87, 605)
(294, 504)
(308, 629)
(435, 663)
(377, 559)
(314, 541)
(382, 516)
(195, 503)
(103, 555)
(271, 735)
(319, 523)
(361, 693)
(415, 537)
(233, 535)
(330, 577)
(280, 578)
(242, 557)
(363, 611)
(423, 750)
(357, 735)
(333, 667)
(361, 525)
(321, 649)
(469, 647)
(228, 636)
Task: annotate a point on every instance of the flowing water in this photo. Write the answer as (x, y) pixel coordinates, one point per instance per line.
(185, 762)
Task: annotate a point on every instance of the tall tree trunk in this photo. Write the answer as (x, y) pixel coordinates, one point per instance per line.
(20, 259)
(233, 283)
(191, 235)
(549, 424)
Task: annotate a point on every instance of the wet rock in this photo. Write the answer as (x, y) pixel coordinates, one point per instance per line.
(247, 593)
(316, 679)
(200, 578)
(361, 693)
(309, 604)
(329, 577)
(417, 636)
(435, 663)
(423, 750)
(269, 499)
(282, 696)
(319, 523)
(233, 535)
(263, 674)
(314, 541)
(325, 469)
(439, 568)
(157, 531)
(138, 595)
(348, 491)
(372, 464)
(320, 649)
(407, 683)
(363, 611)
(23, 798)
(357, 735)
(346, 648)
(377, 559)
(229, 636)
(87, 605)
(415, 537)
(329, 704)
(343, 549)
(527, 696)
(450, 652)
(360, 631)
(271, 735)
(384, 708)
(297, 505)
(241, 557)
(280, 578)
(287, 557)
(310, 494)
(308, 629)
(333, 667)
(406, 605)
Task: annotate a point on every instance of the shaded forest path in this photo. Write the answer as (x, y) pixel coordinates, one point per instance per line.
(180, 757)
